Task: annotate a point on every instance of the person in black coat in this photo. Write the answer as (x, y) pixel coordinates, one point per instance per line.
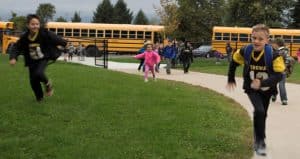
(37, 46)
(186, 56)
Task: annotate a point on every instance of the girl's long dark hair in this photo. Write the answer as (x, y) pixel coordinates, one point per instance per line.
(32, 16)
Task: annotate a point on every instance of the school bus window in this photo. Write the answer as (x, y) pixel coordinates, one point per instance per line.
(68, 32)
(60, 32)
(234, 37)
(132, 35)
(76, 32)
(147, 35)
(124, 34)
(92, 33)
(140, 35)
(277, 36)
(84, 33)
(108, 33)
(226, 36)
(157, 37)
(271, 36)
(218, 36)
(116, 33)
(53, 30)
(100, 33)
(287, 38)
(244, 37)
(296, 39)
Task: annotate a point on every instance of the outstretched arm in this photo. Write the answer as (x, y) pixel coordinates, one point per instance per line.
(56, 40)
(14, 52)
(235, 62)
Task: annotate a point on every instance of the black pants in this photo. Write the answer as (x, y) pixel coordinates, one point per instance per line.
(37, 75)
(260, 102)
(141, 64)
(186, 66)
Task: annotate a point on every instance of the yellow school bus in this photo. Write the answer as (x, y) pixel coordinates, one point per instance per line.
(240, 36)
(6, 25)
(122, 38)
(5, 28)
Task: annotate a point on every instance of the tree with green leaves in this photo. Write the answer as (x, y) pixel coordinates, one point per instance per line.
(121, 14)
(76, 17)
(197, 18)
(296, 15)
(46, 12)
(104, 12)
(19, 22)
(168, 13)
(61, 19)
(274, 13)
(141, 18)
(192, 20)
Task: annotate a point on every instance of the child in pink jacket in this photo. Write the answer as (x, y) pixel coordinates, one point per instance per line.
(151, 58)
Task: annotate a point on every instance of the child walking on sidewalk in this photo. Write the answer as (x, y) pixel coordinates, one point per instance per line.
(151, 59)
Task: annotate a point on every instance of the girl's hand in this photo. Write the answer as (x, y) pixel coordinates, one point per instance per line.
(230, 86)
(12, 62)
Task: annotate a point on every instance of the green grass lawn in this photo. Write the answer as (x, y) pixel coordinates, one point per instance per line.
(97, 113)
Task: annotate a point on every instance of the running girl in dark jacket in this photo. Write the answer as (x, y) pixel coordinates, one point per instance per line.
(35, 44)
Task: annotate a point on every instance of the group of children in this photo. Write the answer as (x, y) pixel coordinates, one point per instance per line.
(150, 57)
(263, 68)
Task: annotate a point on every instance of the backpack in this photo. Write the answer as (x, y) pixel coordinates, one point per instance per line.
(268, 56)
(288, 60)
(289, 63)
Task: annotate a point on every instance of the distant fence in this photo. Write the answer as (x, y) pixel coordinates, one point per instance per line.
(91, 48)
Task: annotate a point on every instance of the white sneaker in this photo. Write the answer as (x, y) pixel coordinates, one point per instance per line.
(146, 80)
(284, 102)
(261, 149)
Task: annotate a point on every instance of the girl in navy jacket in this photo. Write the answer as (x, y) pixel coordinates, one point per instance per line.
(37, 46)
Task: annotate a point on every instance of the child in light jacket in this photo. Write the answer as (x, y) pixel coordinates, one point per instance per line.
(151, 59)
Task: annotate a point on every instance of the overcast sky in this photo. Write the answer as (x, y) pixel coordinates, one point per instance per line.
(66, 8)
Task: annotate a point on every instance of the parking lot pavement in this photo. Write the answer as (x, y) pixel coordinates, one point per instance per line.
(283, 126)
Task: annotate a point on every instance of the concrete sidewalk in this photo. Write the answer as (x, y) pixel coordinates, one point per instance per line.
(283, 128)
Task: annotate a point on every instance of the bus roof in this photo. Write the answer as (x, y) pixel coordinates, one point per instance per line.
(6, 25)
(248, 30)
(104, 26)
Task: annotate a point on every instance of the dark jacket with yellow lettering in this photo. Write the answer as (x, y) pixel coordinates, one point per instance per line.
(47, 39)
(257, 68)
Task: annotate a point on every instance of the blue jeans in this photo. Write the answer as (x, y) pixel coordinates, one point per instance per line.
(282, 89)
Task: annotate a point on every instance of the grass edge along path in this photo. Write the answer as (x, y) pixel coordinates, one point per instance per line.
(209, 65)
(97, 113)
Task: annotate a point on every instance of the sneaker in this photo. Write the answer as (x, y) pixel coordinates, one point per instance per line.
(146, 80)
(260, 148)
(273, 97)
(284, 102)
(49, 89)
(39, 100)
